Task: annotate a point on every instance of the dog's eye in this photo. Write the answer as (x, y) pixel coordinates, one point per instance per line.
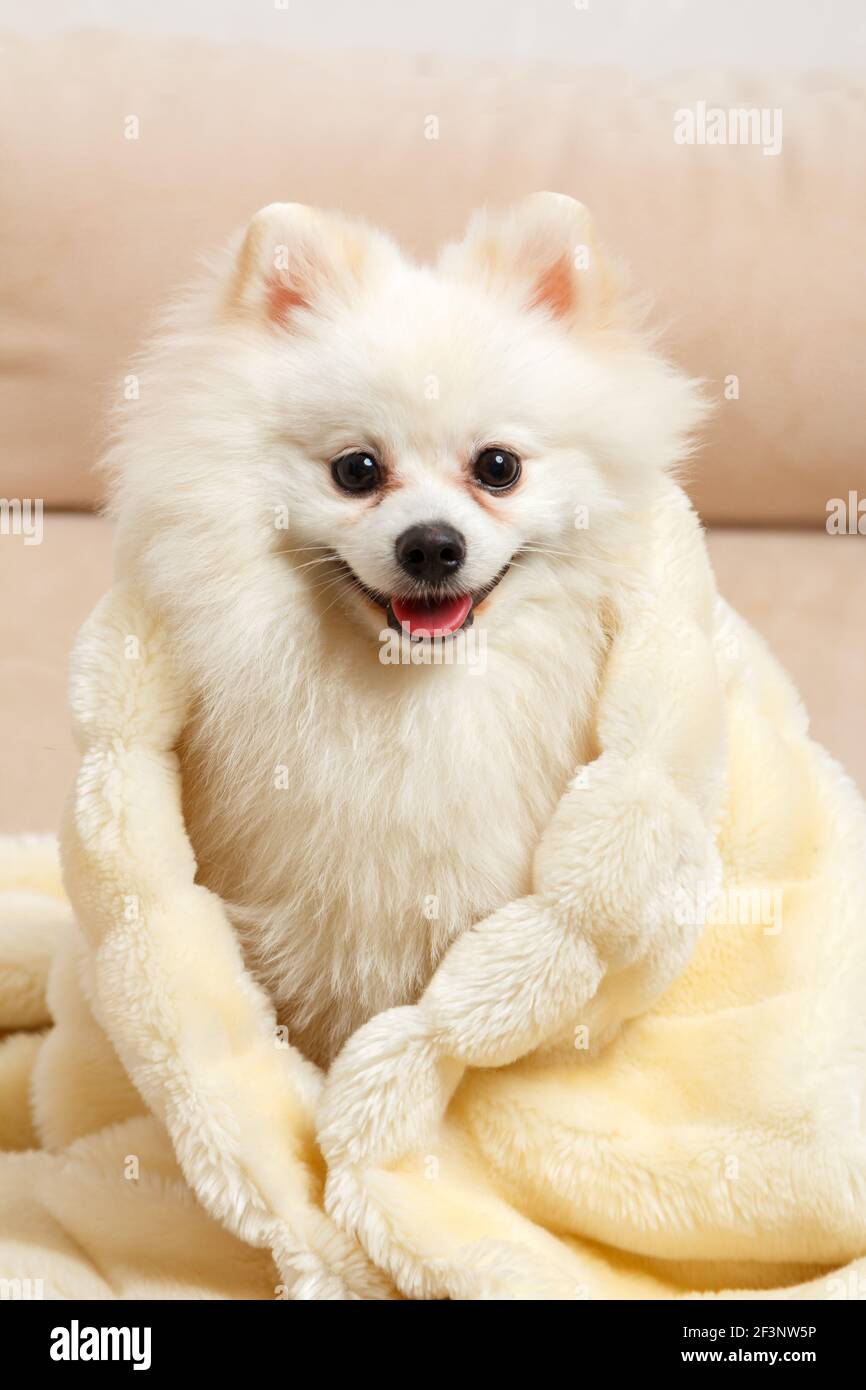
(496, 469)
(356, 472)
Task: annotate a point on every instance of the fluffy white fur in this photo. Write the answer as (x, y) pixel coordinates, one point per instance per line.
(358, 817)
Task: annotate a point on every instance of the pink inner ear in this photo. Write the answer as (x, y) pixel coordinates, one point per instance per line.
(555, 288)
(281, 299)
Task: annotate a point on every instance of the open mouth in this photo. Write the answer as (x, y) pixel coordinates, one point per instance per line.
(431, 618)
(434, 615)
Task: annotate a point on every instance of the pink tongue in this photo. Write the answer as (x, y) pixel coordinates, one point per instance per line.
(435, 619)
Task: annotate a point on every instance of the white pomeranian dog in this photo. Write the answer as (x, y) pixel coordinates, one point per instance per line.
(380, 508)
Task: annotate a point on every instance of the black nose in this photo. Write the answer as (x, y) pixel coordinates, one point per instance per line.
(431, 553)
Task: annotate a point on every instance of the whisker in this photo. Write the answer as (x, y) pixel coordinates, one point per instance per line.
(337, 598)
(297, 549)
(546, 550)
(323, 560)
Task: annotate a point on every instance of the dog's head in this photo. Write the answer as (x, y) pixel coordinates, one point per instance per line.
(420, 446)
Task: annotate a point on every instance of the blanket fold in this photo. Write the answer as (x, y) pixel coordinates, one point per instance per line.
(645, 1079)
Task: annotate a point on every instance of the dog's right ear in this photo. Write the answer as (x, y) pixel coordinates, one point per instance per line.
(294, 258)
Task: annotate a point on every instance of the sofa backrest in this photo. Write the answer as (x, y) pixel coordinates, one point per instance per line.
(124, 159)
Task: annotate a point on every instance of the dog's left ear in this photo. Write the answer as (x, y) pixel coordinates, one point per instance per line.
(295, 257)
(543, 250)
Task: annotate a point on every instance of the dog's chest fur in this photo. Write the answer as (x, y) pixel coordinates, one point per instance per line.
(359, 817)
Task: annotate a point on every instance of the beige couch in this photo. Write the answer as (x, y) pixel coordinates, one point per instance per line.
(755, 263)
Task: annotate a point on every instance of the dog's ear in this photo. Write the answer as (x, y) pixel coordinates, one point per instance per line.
(294, 257)
(543, 250)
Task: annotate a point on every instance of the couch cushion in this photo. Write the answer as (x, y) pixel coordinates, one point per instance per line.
(805, 593)
(48, 590)
(756, 261)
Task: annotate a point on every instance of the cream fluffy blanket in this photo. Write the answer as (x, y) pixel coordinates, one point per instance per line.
(644, 1080)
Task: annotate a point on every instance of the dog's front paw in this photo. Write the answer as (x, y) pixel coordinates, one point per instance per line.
(386, 1092)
